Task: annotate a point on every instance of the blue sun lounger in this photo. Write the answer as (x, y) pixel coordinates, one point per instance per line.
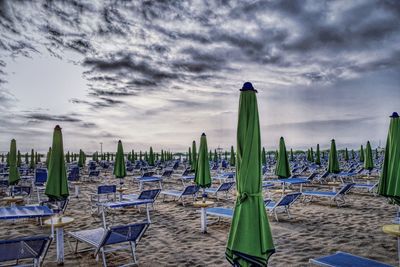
(225, 187)
(284, 203)
(220, 212)
(190, 190)
(32, 248)
(24, 212)
(125, 204)
(337, 197)
(342, 259)
(369, 187)
(102, 239)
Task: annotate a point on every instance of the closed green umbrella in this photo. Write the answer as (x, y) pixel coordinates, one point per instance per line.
(119, 164)
(202, 174)
(32, 162)
(282, 166)
(68, 159)
(311, 155)
(250, 240)
(353, 156)
(318, 156)
(263, 157)
(19, 159)
(151, 157)
(232, 159)
(194, 155)
(389, 183)
(26, 158)
(57, 182)
(346, 155)
(362, 154)
(369, 162)
(81, 160)
(308, 155)
(333, 164)
(13, 173)
(48, 157)
(376, 154)
(291, 155)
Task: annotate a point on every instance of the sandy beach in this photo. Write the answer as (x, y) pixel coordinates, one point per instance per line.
(174, 237)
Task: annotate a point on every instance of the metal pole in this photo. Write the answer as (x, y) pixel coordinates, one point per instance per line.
(101, 148)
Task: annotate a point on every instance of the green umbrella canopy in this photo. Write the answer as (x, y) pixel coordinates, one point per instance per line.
(202, 174)
(311, 154)
(13, 175)
(369, 162)
(291, 155)
(26, 158)
(346, 155)
(362, 153)
(376, 154)
(263, 157)
(36, 158)
(32, 162)
(151, 157)
(48, 157)
(232, 158)
(194, 155)
(226, 155)
(282, 169)
(353, 156)
(389, 183)
(308, 155)
(19, 159)
(333, 164)
(250, 240)
(57, 182)
(215, 156)
(119, 165)
(80, 160)
(317, 156)
(67, 157)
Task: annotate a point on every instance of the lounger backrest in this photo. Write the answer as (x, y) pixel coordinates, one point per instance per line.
(21, 190)
(345, 189)
(149, 194)
(106, 189)
(3, 183)
(126, 233)
(225, 186)
(312, 176)
(288, 199)
(147, 174)
(190, 190)
(167, 173)
(40, 176)
(24, 248)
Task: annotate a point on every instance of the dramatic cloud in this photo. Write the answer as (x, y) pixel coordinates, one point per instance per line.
(146, 71)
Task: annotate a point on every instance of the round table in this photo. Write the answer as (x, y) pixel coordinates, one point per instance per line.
(393, 229)
(121, 191)
(13, 200)
(59, 222)
(203, 205)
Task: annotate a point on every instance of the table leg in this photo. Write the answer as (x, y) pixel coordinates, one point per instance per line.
(203, 220)
(77, 191)
(60, 245)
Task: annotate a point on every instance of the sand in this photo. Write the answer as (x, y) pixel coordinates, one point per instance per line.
(174, 237)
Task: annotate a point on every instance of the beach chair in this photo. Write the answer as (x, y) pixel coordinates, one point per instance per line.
(343, 259)
(147, 177)
(33, 248)
(224, 187)
(151, 194)
(370, 187)
(336, 197)
(94, 175)
(220, 212)
(187, 176)
(190, 190)
(40, 180)
(282, 204)
(105, 193)
(103, 240)
(321, 178)
(24, 191)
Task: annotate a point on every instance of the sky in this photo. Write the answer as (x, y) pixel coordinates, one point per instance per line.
(160, 73)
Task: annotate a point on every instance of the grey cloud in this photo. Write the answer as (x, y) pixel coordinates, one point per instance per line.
(47, 117)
